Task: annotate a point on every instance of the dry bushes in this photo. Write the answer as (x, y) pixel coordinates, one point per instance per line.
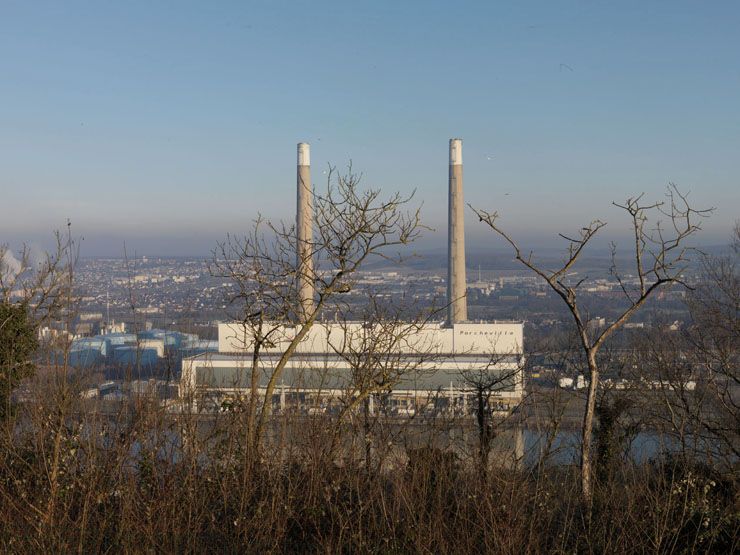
(138, 479)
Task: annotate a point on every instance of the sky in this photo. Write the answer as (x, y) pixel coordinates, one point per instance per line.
(167, 125)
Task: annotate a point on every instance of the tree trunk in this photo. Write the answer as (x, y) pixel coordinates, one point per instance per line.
(484, 433)
(588, 424)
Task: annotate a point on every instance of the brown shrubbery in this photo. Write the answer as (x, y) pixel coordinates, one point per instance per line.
(142, 480)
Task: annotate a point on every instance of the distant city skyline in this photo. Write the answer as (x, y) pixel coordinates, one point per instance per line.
(169, 126)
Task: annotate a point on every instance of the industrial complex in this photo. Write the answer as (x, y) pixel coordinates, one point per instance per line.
(437, 367)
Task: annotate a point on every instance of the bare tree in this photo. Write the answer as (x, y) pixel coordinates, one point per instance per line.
(35, 288)
(351, 226)
(660, 255)
(501, 373)
(696, 387)
(384, 347)
(714, 340)
(41, 281)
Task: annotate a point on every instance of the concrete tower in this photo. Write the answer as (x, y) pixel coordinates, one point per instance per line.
(304, 230)
(457, 309)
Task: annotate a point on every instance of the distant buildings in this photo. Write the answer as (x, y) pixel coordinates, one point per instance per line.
(144, 350)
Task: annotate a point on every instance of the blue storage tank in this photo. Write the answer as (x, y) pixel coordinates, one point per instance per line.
(83, 358)
(170, 338)
(121, 338)
(131, 355)
(98, 343)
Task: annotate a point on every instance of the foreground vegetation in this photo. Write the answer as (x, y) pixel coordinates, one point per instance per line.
(141, 480)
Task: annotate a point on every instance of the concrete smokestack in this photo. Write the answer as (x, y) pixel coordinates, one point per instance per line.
(457, 309)
(304, 230)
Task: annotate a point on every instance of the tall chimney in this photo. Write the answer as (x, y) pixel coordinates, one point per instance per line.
(304, 230)
(457, 308)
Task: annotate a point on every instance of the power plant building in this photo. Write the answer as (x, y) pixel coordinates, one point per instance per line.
(436, 364)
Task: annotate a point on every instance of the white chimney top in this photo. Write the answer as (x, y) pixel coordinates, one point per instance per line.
(455, 152)
(304, 154)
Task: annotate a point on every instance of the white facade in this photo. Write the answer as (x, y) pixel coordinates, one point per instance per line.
(434, 362)
(495, 338)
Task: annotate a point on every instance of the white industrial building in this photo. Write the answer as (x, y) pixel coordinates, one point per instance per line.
(433, 367)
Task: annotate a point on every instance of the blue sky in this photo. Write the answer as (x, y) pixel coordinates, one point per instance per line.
(169, 124)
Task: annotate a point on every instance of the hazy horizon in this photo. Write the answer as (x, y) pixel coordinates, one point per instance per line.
(121, 247)
(168, 127)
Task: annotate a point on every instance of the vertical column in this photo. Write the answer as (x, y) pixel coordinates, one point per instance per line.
(457, 308)
(304, 231)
